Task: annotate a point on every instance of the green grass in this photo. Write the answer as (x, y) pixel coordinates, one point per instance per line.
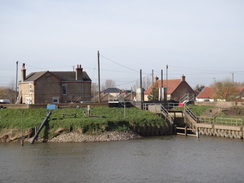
(235, 118)
(116, 119)
(199, 110)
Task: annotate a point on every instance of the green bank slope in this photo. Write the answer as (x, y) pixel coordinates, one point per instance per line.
(101, 119)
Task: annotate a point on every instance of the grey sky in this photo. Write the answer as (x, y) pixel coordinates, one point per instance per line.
(203, 40)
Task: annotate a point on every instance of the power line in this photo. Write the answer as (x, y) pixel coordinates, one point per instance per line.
(119, 64)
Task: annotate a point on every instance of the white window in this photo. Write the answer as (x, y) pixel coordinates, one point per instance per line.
(30, 88)
(55, 100)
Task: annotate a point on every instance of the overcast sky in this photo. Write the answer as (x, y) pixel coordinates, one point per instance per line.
(202, 39)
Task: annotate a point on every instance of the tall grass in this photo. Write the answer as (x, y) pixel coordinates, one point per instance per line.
(102, 119)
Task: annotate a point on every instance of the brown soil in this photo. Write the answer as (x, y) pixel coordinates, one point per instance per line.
(14, 135)
(62, 135)
(234, 111)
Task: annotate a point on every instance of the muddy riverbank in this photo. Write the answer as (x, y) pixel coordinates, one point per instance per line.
(15, 135)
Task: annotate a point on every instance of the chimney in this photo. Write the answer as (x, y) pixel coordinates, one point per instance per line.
(23, 73)
(183, 78)
(78, 74)
(156, 79)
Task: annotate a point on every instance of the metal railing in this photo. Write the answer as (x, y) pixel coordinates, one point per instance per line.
(187, 96)
(166, 114)
(221, 121)
(145, 105)
(191, 114)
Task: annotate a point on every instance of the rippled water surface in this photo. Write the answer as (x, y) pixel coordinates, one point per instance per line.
(158, 159)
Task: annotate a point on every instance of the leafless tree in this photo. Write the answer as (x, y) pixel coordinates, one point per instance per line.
(146, 82)
(198, 89)
(7, 93)
(109, 83)
(94, 89)
(225, 89)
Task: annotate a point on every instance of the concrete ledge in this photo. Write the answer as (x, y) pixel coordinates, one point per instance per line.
(202, 125)
(225, 127)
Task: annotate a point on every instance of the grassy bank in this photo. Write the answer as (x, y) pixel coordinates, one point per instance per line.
(223, 116)
(102, 119)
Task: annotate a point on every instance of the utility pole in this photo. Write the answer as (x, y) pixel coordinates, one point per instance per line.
(16, 84)
(166, 90)
(162, 86)
(141, 89)
(152, 77)
(99, 88)
(233, 78)
(167, 77)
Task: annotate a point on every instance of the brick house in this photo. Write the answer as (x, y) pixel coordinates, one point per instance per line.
(175, 89)
(54, 86)
(208, 94)
(113, 91)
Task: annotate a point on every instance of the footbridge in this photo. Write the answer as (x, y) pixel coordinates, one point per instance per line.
(185, 122)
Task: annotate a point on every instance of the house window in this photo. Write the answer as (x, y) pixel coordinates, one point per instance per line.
(30, 88)
(64, 89)
(55, 100)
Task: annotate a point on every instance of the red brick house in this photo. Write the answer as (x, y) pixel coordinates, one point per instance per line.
(208, 94)
(54, 86)
(176, 89)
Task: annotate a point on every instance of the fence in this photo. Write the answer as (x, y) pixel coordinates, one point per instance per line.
(221, 121)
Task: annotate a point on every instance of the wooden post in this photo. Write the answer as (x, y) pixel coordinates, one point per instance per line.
(98, 60)
(88, 110)
(175, 129)
(197, 132)
(16, 84)
(242, 132)
(185, 130)
(141, 89)
(161, 88)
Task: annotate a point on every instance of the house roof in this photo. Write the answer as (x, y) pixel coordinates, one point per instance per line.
(207, 92)
(34, 76)
(240, 89)
(112, 90)
(63, 75)
(172, 85)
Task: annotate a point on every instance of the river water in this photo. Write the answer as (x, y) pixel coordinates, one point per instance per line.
(149, 160)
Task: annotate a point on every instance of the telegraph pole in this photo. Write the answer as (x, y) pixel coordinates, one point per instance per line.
(141, 89)
(16, 84)
(162, 86)
(99, 89)
(167, 77)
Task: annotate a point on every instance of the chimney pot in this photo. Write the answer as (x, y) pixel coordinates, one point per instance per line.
(183, 78)
(23, 73)
(79, 71)
(23, 66)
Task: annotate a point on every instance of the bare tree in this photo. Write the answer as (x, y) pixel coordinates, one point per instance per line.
(146, 82)
(108, 84)
(198, 88)
(8, 93)
(225, 89)
(94, 89)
